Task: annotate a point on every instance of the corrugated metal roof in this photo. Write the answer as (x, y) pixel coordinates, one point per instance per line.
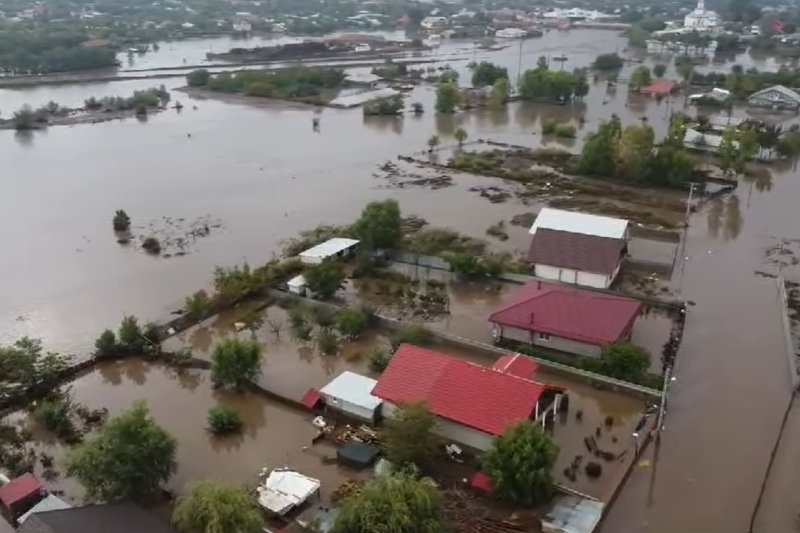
(286, 489)
(329, 248)
(572, 514)
(354, 100)
(580, 223)
(352, 388)
(50, 503)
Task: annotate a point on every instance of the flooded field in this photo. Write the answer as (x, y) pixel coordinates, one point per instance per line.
(267, 175)
(273, 435)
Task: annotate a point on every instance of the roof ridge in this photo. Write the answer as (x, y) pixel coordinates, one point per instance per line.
(549, 289)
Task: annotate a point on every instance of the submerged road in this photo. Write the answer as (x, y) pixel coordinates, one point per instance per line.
(732, 382)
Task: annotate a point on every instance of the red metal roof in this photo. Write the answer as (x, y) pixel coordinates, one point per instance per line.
(569, 313)
(564, 249)
(311, 399)
(516, 365)
(482, 482)
(466, 393)
(660, 87)
(19, 489)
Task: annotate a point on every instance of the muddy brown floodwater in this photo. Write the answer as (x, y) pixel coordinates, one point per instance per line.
(273, 435)
(265, 174)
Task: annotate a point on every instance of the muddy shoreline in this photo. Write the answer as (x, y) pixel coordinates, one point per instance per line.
(84, 117)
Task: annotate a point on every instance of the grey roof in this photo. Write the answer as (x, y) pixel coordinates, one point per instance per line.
(787, 92)
(50, 503)
(105, 518)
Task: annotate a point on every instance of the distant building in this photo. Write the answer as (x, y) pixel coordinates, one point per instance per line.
(660, 88)
(242, 26)
(577, 13)
(577, 248)
(430, 23)
(701, 17)
(511, 33)
(775, 97)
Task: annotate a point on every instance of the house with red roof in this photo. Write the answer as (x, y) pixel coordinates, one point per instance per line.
(473, 403)
(577, 248)
(20, 494)
(565, 318)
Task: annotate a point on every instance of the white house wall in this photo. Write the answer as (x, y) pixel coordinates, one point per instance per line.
(572, 277)
(452, 431)
(555, 343)
(349, 408)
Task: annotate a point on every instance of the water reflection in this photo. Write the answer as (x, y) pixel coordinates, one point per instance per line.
(725, 220)
(394, 124)
(24, 138)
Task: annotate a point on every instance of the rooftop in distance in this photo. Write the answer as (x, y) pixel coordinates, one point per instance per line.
(584, 223)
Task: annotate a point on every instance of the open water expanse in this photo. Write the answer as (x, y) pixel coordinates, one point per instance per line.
(258, 175)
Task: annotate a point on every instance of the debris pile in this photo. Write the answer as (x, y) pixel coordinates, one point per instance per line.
(361, 433)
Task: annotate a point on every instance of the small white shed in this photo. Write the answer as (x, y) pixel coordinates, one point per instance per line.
(285, 489)
(351, 394)
(297, 285)
(336, 247)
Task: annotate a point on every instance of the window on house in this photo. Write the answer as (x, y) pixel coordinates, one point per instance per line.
(544, 336)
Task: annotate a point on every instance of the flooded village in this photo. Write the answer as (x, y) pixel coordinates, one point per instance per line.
(639, 338)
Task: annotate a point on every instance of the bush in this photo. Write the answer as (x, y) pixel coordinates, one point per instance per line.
(327, 342)
(235, 363)
(608, 62)
(379, 358)
(198, 78)
(55, 416)
(223, 419)
(131, 338)
(198, 304)
(106, 344)
(121, 222)
(467, 265)
(558, 129)
(352, 322)
(413, 334)
(152, 245)
(324, 317)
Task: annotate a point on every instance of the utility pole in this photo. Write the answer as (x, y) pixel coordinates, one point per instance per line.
(685, 235)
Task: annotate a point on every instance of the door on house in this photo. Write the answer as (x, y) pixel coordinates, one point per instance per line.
(568, 276)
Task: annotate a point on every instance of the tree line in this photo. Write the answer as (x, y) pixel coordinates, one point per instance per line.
(42, 51)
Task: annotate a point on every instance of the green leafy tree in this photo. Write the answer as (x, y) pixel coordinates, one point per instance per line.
(500, 92)
(519, 464)
(789, 144)
(198, 305)
(467, 265)
(433, 142)
(380, 225)
(448, 97)
(728, 152)
(633, 151)
(637, 37)
(198, 78)
(408, 436)
(641, 77)
(685, 71)
(224, 419)
(598, 155)
(106, 344)
(460, 135)
(379, 358)
(235, 363)
(659, 70)
(131, 338)
(121, 222)
(352, 322)
(325, 278)
(608, 62)
(396, 503)
(485, 74)
(24, 119)
(622, 360)
(130, 458)
(211, 506)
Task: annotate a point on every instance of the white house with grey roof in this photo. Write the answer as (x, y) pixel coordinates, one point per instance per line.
(776, 97)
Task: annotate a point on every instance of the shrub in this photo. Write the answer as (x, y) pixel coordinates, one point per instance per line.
(106, 344)
(198, 304)
(131, 338)
(152, 245)
(223, 419)
(323, 316)
(413, 334)
(55, 416)
(379, 358)
(121, 222)
(328, 342)
(235, 363)
(352, 322)
(198, 78)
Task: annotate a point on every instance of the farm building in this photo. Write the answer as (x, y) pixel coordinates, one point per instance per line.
(567, 319)
(332, 248)
(577, 248)
(776, 97)
(473, 403)
(351, 394)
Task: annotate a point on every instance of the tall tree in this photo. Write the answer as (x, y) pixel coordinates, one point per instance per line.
(129, 458)
(325, 279)
(598, 154)
(380, 225)
(519, 464)
(486, 73)
(633, 151)
(448, 97)
(396, 503)
(641, 77)
(460, 135)
(728, 152)
(210, 506)
(235, 363)
(500, 92)
(408, 436)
